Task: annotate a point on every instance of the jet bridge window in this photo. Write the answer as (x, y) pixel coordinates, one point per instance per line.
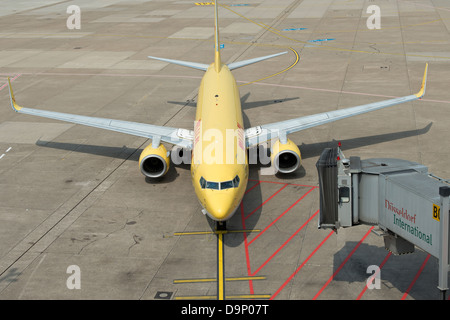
(344, 194)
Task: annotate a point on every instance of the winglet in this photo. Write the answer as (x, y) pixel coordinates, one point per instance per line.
(421, 93)
(14, 105)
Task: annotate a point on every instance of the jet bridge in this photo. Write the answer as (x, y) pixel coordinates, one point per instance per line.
(409, 205)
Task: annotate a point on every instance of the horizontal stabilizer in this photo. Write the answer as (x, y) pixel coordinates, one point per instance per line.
(235, 65)
(195, 65)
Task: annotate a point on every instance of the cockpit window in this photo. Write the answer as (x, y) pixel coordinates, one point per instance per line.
(212, 185)
(226, 185)
(219, 185)
(203, 183)
(236, 181)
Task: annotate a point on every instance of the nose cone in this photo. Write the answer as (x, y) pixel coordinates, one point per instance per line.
(220, 207)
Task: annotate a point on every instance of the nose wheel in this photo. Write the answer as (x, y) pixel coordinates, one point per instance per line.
(221, 225)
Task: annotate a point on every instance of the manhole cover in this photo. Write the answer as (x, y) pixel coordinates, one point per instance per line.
(163, 295)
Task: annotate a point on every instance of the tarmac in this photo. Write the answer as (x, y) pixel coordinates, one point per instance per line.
(79, 221)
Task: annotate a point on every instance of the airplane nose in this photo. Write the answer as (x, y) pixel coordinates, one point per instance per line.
(220, 206)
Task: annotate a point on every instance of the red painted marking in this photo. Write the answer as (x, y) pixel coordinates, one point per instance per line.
(416, 277)
(279, 217)
(256, 184)
(12, 79)
(285, 185)
(243, 217)
(342, 264)
(247, 256)
(381, 266)
(291, 184)
(301, 266)
(285, 243)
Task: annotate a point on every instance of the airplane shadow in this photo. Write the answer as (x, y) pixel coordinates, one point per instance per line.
(244, 104)
(313, 150)
(254, 198)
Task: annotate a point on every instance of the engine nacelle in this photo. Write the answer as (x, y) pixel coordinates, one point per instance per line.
(285, 157)
(154, 163)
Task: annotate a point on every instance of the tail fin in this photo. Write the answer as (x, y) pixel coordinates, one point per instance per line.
(217, 61)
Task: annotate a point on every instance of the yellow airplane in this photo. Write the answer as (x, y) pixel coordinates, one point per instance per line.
(219, 141)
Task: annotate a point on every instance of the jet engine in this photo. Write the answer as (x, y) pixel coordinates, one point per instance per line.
(154, 163)
(285, 157)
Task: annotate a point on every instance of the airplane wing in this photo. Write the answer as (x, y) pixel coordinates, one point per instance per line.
(259, 134)
(175, 136)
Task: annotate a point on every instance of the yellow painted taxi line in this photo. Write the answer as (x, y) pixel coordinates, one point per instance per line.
(220, 268)
(179, 281)
(196, 233)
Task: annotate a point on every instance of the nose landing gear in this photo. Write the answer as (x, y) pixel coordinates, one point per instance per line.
(221, 226)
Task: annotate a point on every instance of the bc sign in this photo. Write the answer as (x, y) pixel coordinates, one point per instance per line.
(436, 212)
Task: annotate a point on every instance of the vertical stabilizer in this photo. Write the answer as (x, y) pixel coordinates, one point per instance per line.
(217, 61)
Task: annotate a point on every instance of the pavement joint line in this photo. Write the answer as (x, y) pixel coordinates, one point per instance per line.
(62, 213)
(258, 183)
(239, 81)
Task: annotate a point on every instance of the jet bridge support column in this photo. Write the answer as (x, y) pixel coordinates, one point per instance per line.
(444, 193)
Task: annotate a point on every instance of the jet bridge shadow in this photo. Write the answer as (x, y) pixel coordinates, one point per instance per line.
(399, 271)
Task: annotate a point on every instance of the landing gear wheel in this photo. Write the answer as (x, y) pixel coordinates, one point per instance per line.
(221, 225)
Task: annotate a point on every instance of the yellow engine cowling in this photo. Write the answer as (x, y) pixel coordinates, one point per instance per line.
(285, 157)
(154, 163)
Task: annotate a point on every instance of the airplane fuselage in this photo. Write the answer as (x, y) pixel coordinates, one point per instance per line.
(219, 166)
